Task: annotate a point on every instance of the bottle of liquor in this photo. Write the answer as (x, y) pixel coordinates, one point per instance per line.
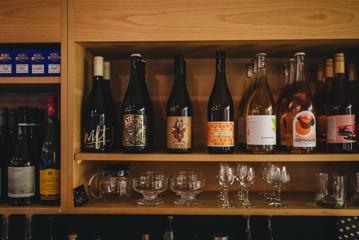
(169, 231)
(4, 233)
(28, 227)
(97, 130)
(21, 167)
(179, 112)
(283, 129)
(243, 101)
(281, 97)
(4, 152)
(329, 80)
(319, 101)
(302, 122)
(50, 161)
(341, 132)
(136, 111)
(220, 127)
(148, 99)
(353, 87)
(108, 97)
(261, 117)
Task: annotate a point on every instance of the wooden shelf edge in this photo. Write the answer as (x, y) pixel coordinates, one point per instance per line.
(32, 209)
(30, 80)
(205, 157)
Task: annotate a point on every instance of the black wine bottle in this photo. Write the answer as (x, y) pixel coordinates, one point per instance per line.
(136, 111)
(179, 112)
(220, 129)
(4, 152)
(21, 167)
(96, 120)
(109, 104)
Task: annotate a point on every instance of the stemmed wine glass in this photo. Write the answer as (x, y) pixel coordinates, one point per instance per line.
(240, 194)
(277, 176)
(226, 178)
(246, 175)
(269, 194)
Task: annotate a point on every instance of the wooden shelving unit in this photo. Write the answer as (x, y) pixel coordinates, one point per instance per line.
(32, 209)
(30, 80)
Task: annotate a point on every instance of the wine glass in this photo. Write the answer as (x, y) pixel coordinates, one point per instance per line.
(226, 178)
(246, 175)
(269, 194)
(277, 176)
(240, 194)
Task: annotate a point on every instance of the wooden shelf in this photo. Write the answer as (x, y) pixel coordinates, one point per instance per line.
(30, 80)
(205, 157)
(31, 209)
(299, 204)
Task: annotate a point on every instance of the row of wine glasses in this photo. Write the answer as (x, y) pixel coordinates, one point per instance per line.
(274, 174)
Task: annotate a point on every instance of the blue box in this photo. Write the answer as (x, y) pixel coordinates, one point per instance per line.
(53, 62)
(6, 63)
(22, 62)
(38, 62)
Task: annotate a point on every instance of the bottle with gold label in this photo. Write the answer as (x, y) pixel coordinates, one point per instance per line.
(319, 101)
(50, 159)
(179, 112)
(220, 112)
(341, 127)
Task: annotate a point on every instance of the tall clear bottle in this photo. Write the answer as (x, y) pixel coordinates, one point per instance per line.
(136, 111)
(220, 126)
(179, 112)
(341, 130)
(301, 112)
(169, 231)
(319, 101)
(261, 115)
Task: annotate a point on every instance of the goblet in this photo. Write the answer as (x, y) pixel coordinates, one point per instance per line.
(226, 178)
(277, 176)
(246, 175)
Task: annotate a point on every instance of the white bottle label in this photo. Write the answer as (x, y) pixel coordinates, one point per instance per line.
(261, 130)
(5, 69)
(38, 69)
(21, 182)
(304, 133)
(54, 68)
(22, 68)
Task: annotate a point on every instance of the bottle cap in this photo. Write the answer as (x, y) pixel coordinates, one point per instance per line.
(106, 70)
(320, 73)
(352, 72)
(339, 63)
(98, 66)
(291, 60)
(261, 55)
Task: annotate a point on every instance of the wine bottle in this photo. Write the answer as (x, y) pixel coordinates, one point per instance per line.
(284, 118)
(301, 113)
(243, 101)
(4, 233)
(281, 97)
(179, 112)
(108, 97)
(12, 130)
(136, 111)
(261, 117)
(220, 127)
(319, 102)
(97, 131)
(50, 161)
(353, 87)
(341, 132)
(21, 167)
(169, 231)
(4, 152)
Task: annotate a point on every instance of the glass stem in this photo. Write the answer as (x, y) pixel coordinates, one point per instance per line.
(225, 196)
(278, 189)
(270, 229)
(5, 227)
(246, 195)
(248, 228)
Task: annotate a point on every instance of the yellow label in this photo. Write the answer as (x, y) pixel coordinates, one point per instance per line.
(179, 132)
(49, 182)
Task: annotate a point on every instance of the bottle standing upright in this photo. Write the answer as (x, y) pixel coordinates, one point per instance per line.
(220, 126)
(261, 115)
(169, 231)
(4, 152)
(300, 109)
(21, 167)
(319, 102)
(353, 87)
(109, 104)
(281, 98)
(136, 111)
(341, 130)
(97, 133)
(179, 112)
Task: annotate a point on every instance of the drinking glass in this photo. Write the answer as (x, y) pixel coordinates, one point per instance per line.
(150, 184)
(355, 190)
(269, 194)
(187, 184)
(277, 176)
(226, 178)
(240, 194)
(246, 175)
(321, 184)
(331, 190)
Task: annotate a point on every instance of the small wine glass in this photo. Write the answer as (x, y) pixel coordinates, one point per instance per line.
(226, 178)
(277, 176)
(268, 194)
(246, 176)
(239, 197)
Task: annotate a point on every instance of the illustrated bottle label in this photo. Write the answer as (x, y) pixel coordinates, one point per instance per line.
(179, 134)
(135, 130)
(304, 130)
(49, 182)
(322, 128)
(21, 182)
(261, 130)
(241, 130)
(284, 130)
(341, 129)
(98, 136)
(220, 134)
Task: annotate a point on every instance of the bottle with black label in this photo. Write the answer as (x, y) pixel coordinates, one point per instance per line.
(136, 111)
(4, 152)
(97, 133)
(21, 167)
(179, 112)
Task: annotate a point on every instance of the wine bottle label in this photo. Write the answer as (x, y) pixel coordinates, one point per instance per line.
(49, 182)
(261, 130)
(135, 130)
(322, 128)
(21, 182)
(179, 132)
(241, 130)
(220, 134)
(284, 130)
(99, 136)
(304, 130)
(341, 129)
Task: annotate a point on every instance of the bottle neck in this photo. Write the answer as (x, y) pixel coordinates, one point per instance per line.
(134, 82)
(180, 77)
(5, 227)
(220, 72)
(28, 224)
(97, 83)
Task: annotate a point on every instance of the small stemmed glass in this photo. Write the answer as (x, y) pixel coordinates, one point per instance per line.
(277, 176)
(246, 175)
(240, 194)
(226, 178)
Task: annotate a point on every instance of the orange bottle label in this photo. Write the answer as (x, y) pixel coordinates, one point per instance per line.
(220, 134)
(304, 130)
(49, 182)
(341, 129)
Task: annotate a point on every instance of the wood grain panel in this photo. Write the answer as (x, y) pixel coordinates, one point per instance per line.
(30, 21)
(193, 20)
